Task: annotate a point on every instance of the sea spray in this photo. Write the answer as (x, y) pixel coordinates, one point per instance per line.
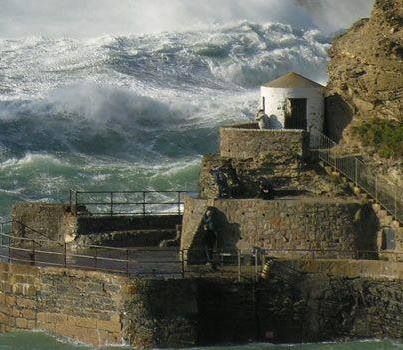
(133, 112)
(95, 17)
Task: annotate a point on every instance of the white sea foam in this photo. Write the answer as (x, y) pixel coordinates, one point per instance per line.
(30, 159)
(137, 111)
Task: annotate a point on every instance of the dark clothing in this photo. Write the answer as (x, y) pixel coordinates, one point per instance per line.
(266, 190)
(227, 181)
(209, 238)
(221, 181)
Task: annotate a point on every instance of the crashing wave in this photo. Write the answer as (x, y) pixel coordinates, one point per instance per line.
(76, 112)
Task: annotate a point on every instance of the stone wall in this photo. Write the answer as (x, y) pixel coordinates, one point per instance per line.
(83, 306)
(300, 301)
(280, 225)
(278, 146)
(162, 313)
(93, 225)
(329, 304)
(44, 221)
(56, 222)
(280, 156)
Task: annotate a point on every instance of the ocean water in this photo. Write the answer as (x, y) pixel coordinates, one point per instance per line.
(137, 111)
(39, 341)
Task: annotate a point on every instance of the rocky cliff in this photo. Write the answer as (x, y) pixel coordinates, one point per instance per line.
(364, 104)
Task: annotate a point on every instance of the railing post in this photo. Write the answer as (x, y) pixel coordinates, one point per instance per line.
(76, 202)
(356, 171)
(111, 203)
(65, 254)
(144, 203)
(239, 265)
(395, 205)
(96, 258)
(183, 262)
(33, 253)
(256, 263)
(376, 188)
(127, 263)
(179, 203)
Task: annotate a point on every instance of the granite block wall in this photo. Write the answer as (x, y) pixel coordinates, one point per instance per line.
(83, 306)
(331, 228)
(300, 301)
(55, 222)
(244, 143)
(43, 221)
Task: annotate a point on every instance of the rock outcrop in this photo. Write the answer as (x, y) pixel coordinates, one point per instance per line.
(366, 79)
(366, 63)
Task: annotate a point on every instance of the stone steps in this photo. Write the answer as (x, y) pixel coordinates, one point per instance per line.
(385, 217)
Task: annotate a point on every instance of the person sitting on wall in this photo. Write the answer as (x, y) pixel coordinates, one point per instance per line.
(222, 182)
(209, 236)
(266, 190)
(233, 181)
(262, 119)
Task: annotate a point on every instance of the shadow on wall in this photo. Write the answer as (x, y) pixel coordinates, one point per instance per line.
(367, 224)
(228, 236)
(337, 117)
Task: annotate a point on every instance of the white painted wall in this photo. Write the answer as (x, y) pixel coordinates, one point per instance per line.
(275, 102)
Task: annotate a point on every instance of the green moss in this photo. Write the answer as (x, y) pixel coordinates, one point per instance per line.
(385, 135)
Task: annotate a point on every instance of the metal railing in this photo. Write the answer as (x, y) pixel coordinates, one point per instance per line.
(127, 203)
(162, 263)
(356, 170)
(23, 229)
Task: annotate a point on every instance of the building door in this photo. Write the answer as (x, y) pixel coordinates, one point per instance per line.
(296, 114)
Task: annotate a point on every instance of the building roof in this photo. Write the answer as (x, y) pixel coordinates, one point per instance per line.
(293, 80)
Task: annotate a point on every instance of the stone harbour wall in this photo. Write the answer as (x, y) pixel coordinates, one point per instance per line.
(298, 301)
(332, 228)
(82, 306)
(162, 313)
(320, 303)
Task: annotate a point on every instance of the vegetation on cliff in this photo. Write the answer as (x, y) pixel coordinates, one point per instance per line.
(386, 136)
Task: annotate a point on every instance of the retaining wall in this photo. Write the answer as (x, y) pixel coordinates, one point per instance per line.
(300, 301)
(83, 306)
(281, 225)
(56, 222)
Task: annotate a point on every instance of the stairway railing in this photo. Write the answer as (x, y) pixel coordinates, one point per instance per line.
(388, 196)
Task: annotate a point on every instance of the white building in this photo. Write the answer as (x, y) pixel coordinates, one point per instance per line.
(294, 102)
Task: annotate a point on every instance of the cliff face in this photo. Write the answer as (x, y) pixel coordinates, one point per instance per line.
(364, 103)
(366, 63)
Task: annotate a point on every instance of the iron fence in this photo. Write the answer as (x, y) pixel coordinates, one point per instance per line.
(127, 203)
(389, 196)
(161, 262)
